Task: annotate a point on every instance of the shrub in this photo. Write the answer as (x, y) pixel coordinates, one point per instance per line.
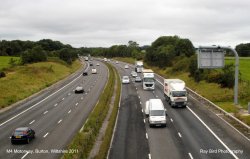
(2, 74)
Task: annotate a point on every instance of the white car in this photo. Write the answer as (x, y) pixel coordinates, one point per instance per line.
(97, 64)
(79, 89)
(116, 62)
(126, 66)
(125, 80)
(94, 71)
(133, 74)
(138, 79)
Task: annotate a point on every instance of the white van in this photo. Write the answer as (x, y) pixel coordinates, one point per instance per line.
(156, 113)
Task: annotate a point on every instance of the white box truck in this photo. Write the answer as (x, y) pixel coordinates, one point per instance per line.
(138, 66)
(148, 81)
(175, 92)
(156, 113)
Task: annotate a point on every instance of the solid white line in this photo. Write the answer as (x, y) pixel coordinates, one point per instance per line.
(25, 155)
(159, 81)
(38, 102)
(144, 120)
(171, 120)
(76, 103)
(149, 156)
(63, 99)
(59, 121)
(229, 150)
(69, 111)
(45, 135)
(190, 155)
(45, 112)
(179, 134)
(55, 105)
(147, 135)
(32, 122)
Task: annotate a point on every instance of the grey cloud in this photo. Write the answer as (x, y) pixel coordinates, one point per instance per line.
(109, 22)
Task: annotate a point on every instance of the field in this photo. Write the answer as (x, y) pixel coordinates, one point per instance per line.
(244, 67)
(23, 81)
(4, 61)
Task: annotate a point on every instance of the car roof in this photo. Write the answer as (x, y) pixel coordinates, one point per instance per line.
(22, 129)
(156, 104)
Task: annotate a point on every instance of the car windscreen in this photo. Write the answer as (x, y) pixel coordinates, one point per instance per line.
(148, 80)
(125, 78)
(179, 93)
(157, 113)
(19, 133)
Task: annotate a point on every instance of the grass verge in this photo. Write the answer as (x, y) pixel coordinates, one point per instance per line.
(22, 81)
(84, 140)
(109, 131)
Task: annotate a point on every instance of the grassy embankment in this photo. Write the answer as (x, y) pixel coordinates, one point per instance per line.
(223, 97)
(23, 81)
(84, 140)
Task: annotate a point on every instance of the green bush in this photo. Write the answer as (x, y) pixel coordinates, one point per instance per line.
(2, 74)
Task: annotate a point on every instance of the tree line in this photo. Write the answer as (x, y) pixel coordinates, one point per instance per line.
(31, 51)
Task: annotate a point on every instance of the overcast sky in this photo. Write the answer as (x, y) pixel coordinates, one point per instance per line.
(91, 23)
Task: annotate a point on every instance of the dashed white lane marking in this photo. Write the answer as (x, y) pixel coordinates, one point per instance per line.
(76, 103)
(55, 105)
(140, 102)
(147, 135)
(69, 111)
(45, 112)
(142, 110)
(25, 155)
(156, 96)
(81, 98)
(149, 156)
(179, 134)
(63, 99)
(69, 94)
(59, 121)
(171, 120)
(136, 88)
(32, 122)
(144, 120)
(45, 135)
(190, 155)
(139, 97)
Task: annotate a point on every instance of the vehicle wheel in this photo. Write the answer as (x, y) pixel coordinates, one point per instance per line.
(12, 142)
(150, 125)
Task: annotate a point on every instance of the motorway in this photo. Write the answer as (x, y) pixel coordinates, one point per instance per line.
(192, 132)
(56, 115)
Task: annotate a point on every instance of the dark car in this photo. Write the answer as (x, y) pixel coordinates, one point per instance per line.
(85, 73)
(22, 134)
(90, 64)
(79, 89)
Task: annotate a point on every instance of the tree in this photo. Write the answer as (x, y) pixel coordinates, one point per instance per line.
(35, 54)
(243, 49)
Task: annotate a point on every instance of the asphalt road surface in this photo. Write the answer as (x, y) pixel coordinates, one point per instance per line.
(192, 132)
(56, 116)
